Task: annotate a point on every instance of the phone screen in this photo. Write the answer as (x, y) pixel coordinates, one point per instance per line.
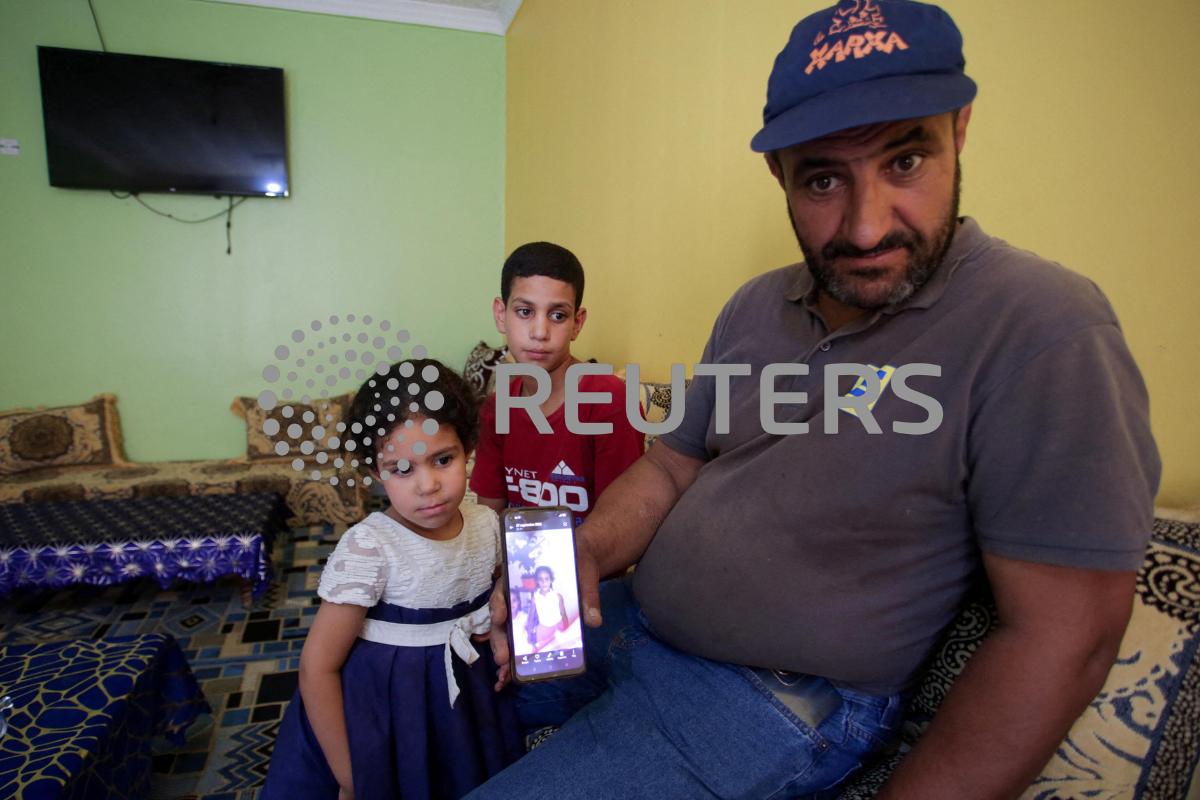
(545, 629)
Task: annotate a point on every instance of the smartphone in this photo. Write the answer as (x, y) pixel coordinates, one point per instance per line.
(545, 631)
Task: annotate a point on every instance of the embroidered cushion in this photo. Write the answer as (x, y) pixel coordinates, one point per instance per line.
(656, 403)
(480, 369)
(66, 436)
(291, 429)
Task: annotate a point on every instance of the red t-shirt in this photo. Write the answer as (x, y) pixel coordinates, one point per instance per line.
(561, 468)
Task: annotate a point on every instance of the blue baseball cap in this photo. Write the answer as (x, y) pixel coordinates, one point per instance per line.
(859, 63)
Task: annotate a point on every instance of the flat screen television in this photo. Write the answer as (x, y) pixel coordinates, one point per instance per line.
(148, 124)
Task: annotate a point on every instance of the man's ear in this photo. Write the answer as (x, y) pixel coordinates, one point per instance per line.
(773, 164)
(498, 315)
(960, 127)
(580, 318)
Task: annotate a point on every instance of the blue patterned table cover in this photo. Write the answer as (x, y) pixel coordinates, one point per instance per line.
(85, 714)
(103, 542)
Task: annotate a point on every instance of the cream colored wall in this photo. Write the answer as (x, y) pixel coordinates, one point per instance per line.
(628, 131)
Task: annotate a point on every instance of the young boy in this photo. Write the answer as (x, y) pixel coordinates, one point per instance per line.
(540, 312)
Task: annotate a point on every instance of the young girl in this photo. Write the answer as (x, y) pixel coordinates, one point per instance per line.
(549, 605)
(395, 699)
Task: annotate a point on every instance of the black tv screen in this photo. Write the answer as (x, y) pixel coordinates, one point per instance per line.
(147, 124)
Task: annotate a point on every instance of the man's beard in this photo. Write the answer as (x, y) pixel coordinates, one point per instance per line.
(924, 257)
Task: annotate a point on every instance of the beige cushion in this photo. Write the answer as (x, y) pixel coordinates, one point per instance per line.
(85, 435)
(262, 446)
(656, 403)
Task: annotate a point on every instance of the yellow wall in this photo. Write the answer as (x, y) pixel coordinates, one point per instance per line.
(628, 131)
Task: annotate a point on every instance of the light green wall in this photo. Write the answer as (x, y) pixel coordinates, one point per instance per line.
(396, 151)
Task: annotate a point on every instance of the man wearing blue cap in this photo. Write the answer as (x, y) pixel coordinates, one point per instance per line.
(789, 587)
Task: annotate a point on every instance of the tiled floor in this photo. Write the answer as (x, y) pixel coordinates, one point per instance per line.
(245, 659)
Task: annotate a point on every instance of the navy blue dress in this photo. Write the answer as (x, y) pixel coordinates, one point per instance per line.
(406, 741)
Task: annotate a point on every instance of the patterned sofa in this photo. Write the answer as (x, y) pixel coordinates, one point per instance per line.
(1140, 736)
(76, 453)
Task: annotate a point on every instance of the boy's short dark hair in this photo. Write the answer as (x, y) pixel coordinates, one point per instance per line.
(542, 258)
(388, 395)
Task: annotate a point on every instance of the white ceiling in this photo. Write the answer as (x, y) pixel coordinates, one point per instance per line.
(480, 16)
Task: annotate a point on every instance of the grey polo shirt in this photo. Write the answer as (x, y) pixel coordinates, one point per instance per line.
(845, 555)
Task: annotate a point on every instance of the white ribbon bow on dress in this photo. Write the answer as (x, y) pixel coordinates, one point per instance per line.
(455, 633)
(478, 621)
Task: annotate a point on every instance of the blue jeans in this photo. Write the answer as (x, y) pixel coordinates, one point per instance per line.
(647, 720)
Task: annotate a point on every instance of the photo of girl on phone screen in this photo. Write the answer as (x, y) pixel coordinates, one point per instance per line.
(550, 607)
(545, 620)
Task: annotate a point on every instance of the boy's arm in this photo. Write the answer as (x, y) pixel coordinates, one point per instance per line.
(487, 476)
(333, 632)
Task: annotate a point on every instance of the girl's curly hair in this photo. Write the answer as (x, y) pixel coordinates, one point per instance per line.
(415, 388)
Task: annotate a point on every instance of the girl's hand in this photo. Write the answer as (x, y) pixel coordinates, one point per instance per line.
(333, 633)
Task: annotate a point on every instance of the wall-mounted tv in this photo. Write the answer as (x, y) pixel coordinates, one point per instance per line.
(147, 124)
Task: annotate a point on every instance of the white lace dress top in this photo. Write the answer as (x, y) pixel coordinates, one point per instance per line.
(380, 559)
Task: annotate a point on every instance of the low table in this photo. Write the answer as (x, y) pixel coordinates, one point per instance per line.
(102, 542)
(85, 713)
